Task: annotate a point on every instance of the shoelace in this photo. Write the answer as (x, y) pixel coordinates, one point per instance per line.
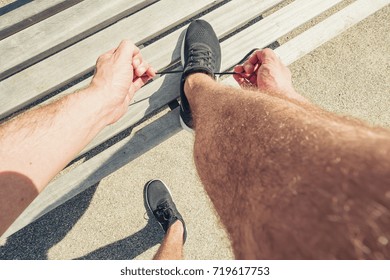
(199, 54)
(164, 212)
(216, 73)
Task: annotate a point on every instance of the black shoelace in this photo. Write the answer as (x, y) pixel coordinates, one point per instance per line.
(197, 55)
(216, 73)
(164, 213)
(181, 71)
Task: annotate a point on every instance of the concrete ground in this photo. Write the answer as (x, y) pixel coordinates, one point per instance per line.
(349, 75)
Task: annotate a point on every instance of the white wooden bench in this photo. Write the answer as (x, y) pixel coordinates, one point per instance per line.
(49, 48)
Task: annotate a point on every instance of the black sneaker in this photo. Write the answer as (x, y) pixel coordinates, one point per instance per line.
(200, 52)
(160, 203)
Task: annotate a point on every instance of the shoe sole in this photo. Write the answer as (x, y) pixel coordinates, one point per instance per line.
(182, 123)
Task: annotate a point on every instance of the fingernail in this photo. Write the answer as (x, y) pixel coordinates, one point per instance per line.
(136, 62)
(141, 70)
(247, 67)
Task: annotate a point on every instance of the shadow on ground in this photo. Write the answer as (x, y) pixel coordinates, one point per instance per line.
(132, 246)
(35, 240)
(12, 6)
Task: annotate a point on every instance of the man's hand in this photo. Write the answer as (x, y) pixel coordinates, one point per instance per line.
(265, 71)
(119, 73)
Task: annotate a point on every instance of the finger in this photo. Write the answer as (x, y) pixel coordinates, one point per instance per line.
(246, 84)
(137, 60)
(257, 66)
(242, 81)
(151, 72)
(238, 78)
(241, 74)
(266, 56)
(249, 68)
(238, 69)
(141, 69)
(136, 50)
(140, 82)
(137, 57)
(248, 71)
(254, 58)
(124, 52)
(253, 79)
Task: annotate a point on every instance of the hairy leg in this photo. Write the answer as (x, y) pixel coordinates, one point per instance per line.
(172, 245)
(289, 180)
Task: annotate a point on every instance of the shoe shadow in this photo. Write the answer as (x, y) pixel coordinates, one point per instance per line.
(132, 246)
(129, 247)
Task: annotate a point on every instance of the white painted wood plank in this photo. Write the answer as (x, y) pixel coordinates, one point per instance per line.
(26, 11)
(77, 60)
(329, 28)
(333, 26)
(61, 30)
(272, 28)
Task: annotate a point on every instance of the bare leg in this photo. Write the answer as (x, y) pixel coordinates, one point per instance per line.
(172, 245)
(289, 180)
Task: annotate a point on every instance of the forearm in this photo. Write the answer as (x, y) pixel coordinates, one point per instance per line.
(41, 142)
(38, 144)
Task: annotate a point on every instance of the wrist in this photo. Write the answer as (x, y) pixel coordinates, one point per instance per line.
(110, 104)
(92, 105)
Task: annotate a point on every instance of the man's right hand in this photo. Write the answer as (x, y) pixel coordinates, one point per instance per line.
(119, 73)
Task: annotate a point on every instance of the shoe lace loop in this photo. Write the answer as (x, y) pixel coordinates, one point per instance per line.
(164, 212)
(198, 54)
